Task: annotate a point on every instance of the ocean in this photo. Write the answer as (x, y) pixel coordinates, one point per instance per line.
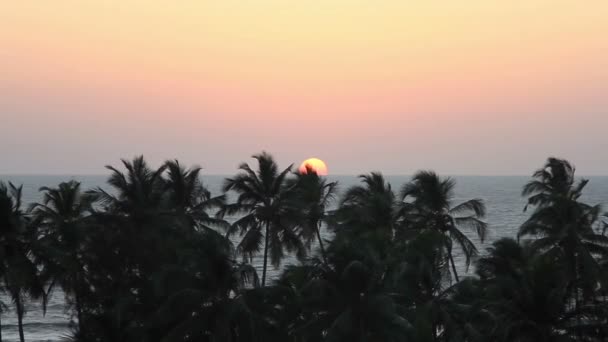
(502, 195)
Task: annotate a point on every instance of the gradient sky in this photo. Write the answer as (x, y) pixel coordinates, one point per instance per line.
(462, 87)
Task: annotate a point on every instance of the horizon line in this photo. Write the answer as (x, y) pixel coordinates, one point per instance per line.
(331, 175)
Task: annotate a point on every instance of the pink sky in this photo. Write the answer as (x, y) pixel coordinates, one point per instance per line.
(471, 87)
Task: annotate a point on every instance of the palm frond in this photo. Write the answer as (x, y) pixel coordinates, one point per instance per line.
(475, 205)
(472, 222)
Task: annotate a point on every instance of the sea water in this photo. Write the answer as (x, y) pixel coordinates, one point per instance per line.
(501, 194)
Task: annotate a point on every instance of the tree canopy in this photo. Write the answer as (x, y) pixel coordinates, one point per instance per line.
(156, 257)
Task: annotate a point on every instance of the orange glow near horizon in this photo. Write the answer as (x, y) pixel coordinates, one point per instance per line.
(315, 164)
(370, 78)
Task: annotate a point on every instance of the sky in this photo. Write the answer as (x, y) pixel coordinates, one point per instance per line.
(471, 87)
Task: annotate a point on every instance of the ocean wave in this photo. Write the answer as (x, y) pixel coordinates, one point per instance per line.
(36, 325)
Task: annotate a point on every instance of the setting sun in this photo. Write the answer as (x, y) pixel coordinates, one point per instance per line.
(317, 165)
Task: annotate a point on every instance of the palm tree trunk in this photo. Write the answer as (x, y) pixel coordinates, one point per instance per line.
(78, 299)
(577, 302)
(79, 315)
(574, 282)
(266, 237)
(19, 304)
(453, 266)
(320, 245)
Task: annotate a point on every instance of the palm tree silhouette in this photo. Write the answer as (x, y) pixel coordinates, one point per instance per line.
(190, 200)
(427, 204)
(564, 227)
(526, 294)
(347, 303)
(263, 197)
(417, 267)
(62, 229)
(19, 273)
(137, 194)
(554, 181)
(205, 293)
(312, 195)
(369, 207)
(140, 232)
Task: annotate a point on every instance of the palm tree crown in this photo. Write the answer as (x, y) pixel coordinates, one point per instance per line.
(19, 273)
(263, 197)
(553, 181)
(190, 199)
(312, 195)
(565, 228)
(370, 206)
(428, 204)
(62, 236)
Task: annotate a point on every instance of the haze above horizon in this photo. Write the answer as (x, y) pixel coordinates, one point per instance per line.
(475, 87)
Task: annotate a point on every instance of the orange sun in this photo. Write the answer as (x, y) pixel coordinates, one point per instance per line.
(317, 165)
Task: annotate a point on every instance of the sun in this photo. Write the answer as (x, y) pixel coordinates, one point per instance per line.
(316, 164)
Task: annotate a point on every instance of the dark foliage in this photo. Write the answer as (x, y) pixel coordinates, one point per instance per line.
(150, 259)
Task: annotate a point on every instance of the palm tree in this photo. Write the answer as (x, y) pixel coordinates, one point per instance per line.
(62, 231)
(368, 207)
(463, 313)
(11, 222)
(138, 194)
(346, 303)
(263, 198)
(527, 294)
(205, 293)
(336, 303)
(136, 205)
(18, 271)
(553, 181)
(427, 204)
(312, 195)
(564, 227)
(3, 310)
(190, 199)
(139, 233)
(415, 271)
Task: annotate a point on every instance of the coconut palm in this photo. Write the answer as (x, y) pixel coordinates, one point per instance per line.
(11, 224)
(263, 197)
(19, 273)
(564, 227)
(205, 293)
(138, 234)
(312, 197)
(555, 180)
(416, 270)
(527, 294)
(3, 310)
(137, 194)
(463, 313)
(348, 304)
(428, 204)
(368, 207)
(62, 232)
(190, 199)
(565, 231)
(119, 264)
(136, 206)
